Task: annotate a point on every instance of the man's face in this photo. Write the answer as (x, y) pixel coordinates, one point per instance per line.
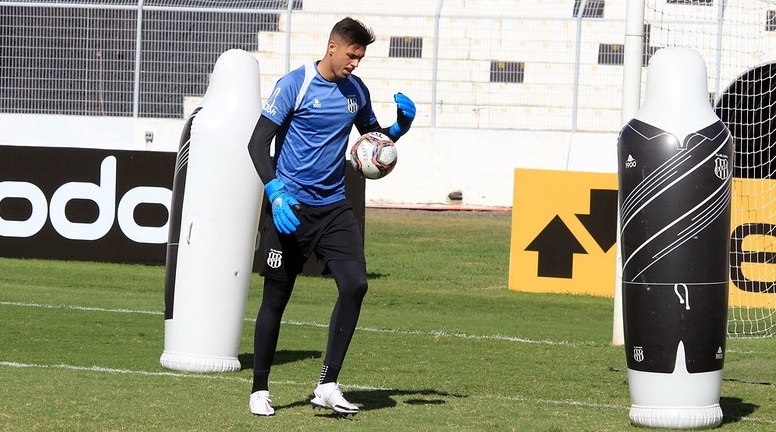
(345, 58)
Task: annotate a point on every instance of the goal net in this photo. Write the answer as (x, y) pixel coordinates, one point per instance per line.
(737, 39)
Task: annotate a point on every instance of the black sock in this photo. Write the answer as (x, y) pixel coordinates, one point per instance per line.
(328, 374)
(260, 382)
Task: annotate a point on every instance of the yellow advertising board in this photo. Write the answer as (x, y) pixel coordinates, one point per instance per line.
(564, 231)
(753, 244)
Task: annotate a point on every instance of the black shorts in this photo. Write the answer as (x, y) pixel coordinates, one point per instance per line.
(658, 316)
(330, 231)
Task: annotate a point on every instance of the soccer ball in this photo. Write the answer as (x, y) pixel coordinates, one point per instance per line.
(373, 155)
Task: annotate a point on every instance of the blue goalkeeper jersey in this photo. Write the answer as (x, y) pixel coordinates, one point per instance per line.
(315, 118)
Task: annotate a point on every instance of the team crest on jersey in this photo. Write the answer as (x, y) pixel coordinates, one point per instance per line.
(721, 168)
(352, 104)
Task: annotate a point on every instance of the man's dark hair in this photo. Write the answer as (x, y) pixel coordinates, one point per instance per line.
(353, 32)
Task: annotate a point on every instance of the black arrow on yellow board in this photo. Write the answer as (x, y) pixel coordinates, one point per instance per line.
(556, 245)
(601, 223)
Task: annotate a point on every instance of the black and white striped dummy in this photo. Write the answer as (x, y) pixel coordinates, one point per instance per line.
(675, 161)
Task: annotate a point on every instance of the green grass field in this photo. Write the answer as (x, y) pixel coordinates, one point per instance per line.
(442, 345)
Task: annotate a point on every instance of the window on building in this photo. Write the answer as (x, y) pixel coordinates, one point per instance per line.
(507, 71)
(405, 47)
(610, 54)
(770, 20)
(593, 8)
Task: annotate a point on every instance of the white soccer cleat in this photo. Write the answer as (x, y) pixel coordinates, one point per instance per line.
(329, 396)
(260, 404)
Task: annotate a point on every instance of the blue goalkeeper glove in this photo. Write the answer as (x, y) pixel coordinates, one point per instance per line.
(405, 113)
(283, 205)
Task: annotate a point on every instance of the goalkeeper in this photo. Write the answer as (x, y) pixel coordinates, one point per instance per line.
(310, 114)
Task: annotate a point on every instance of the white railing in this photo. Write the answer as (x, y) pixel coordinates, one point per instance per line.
(526, 65)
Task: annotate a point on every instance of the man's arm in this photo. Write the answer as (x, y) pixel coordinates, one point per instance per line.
(283, 204)
(405, 114)
(259, 145)
(374, 127)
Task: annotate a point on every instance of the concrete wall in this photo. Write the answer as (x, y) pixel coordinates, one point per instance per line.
(432, 162)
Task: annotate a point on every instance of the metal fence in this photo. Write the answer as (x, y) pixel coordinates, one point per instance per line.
(493, 64)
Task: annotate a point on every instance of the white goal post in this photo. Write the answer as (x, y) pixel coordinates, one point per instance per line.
(737, 39)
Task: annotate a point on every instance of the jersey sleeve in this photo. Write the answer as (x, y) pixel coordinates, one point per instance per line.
(282, 100)
(259, 145)
(365, 118)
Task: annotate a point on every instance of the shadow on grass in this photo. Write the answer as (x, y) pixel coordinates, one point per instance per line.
(386, 398)
(369, 275)
(281, 357)
(734, 409)
(369, 400)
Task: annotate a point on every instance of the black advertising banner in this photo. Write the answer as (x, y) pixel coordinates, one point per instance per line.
(85, 204)
(99, 205)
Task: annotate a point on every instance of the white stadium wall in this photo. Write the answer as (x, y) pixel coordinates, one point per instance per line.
(480, 164)
(433, 162)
